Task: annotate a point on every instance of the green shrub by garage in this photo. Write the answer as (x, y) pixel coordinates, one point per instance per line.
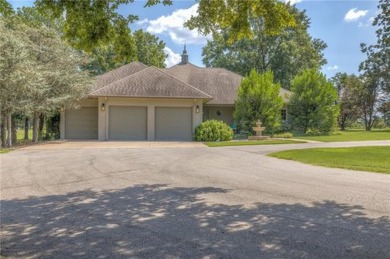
(213, 130)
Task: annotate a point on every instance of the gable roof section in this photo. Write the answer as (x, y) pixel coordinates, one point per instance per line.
(119, 73)
(220, 83)
(150, 82)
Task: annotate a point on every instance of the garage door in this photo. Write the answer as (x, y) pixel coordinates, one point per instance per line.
(173, 123)
(81, 123)
(127, 123)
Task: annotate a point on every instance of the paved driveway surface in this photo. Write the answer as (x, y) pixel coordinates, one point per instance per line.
(189, 202)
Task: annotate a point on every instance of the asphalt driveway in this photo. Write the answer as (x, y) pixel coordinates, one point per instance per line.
(188, 202)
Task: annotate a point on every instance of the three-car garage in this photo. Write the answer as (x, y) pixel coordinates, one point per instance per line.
(119, 122)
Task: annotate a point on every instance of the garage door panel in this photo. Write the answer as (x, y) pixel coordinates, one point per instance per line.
(81, 123)
(173, 123)
(127, 123)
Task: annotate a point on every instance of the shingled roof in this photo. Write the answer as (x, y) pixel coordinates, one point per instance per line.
(150, 82)
(220, 83)
(119, 73)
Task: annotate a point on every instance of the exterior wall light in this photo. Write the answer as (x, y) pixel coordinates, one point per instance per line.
(103, 107)
(197, 109)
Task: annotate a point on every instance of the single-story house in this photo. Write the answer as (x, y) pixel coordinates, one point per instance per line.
(137, 102)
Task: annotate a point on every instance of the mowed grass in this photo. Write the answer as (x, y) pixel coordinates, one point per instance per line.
(371, 159)
(3, 151)
(352, 135)
(250, 143)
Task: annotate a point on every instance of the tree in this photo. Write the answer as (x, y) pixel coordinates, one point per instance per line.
(39, 72)
(16, 68)
(286, 54)
(90, 23)
(5, 8)
(150, 50)
(234, 16)
(258, 99)
(377, 64)
(312, 107)
(376, 68)
(347, 88)
(368, 95)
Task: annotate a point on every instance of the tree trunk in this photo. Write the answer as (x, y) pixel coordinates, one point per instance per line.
(35, 127)
(14, 130)
(9, 130)
(41, 123)
(3, 130)
(26, 128)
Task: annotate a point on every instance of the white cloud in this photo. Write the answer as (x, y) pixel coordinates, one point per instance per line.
(173, 58)
(335, 67)
(367, 23)
(173, 25)
(292, 2)
(354, 14)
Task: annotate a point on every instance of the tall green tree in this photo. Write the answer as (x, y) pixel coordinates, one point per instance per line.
(312, 106)
(16, 70)
(347, 87)
(39, 72)
(150, 49)
(377, 64)
(286, 54)
(258, 99)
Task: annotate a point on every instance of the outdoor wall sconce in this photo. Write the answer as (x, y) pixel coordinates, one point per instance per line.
(103, 107)
(197, 109)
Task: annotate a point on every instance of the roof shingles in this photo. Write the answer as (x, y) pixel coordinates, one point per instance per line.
(150, 82)
(217, 85)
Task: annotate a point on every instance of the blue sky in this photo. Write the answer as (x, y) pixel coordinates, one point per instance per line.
(343, 25)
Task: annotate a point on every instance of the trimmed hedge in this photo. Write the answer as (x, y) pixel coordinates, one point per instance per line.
(213, 130)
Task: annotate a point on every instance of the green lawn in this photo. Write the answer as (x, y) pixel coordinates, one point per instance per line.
(3, 151)
(249, 143)
(353, 135)
(372, 159)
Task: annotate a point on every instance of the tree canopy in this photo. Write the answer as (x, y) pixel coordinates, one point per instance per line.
(348, 87)
(95, 22)
(286, 54)
(312, 107)
(39, 72)
(377, 64)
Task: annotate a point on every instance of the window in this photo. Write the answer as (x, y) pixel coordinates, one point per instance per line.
(284, 115)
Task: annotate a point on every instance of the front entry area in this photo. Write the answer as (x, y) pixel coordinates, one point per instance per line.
(173, 123)
(127, 123)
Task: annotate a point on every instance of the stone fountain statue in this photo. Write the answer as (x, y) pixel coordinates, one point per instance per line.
(258, 130)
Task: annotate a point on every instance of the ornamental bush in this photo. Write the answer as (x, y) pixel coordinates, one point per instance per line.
(213, 130)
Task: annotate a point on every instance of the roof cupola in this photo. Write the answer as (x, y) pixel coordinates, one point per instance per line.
(184, 56)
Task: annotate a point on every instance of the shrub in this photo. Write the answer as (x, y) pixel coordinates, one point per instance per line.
(313, 132)
(284, 135)
(213, 130)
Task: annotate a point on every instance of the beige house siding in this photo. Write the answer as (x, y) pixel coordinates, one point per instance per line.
(226, 113)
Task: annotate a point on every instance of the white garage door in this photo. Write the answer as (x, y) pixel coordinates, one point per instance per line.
(173, 123)
(127, 123)
(81, 123)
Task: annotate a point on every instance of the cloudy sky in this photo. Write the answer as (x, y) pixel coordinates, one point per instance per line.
(342, 24)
